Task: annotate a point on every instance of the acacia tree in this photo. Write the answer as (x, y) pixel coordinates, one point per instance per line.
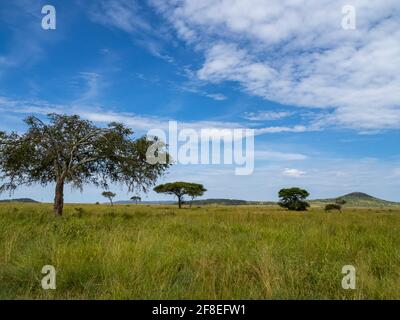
(136, 199)
(180, 189)
(109, 195)
(70, 150)
(294, 199)
(195, 190)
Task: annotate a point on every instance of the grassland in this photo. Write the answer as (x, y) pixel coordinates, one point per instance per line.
(160, 252)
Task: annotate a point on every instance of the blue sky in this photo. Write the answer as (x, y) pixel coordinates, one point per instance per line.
(324, 101)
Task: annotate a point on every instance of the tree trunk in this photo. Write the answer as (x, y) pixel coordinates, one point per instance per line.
(180, 202)
(59, 198)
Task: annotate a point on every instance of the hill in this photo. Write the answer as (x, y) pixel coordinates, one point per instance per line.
(225, 202)
(222, 202)
(20, 200)
(144, 202)
(355, 199)
(231, 202)
(359, 199)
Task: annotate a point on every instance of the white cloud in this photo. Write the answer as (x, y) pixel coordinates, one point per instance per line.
(120, 14)
(266, 115)
(93, 82)
(280, 129)
(194, 87)
(278, 156)
(216, 96)
(29, 106)
(397, 172)
(138, 123)
(296, 53)
(131, 17)
(295, 173)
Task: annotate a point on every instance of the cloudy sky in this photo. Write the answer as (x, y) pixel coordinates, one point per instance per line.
(324, 100)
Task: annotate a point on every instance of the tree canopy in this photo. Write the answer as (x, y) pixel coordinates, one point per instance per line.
(70, 150)
(194, 191)
(109, 195)
(180, 189)
(136, 199)
(294, 199)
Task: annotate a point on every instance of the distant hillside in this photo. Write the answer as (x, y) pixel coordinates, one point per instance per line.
(20, 200)
(143, 202)
(225, 202)
(359, 199)
(355, 199)
(231, 202)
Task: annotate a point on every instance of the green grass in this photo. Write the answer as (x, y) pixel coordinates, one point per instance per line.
(160, 252)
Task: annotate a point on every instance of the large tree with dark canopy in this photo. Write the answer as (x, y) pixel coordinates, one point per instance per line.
(294, 199)
(71, 150)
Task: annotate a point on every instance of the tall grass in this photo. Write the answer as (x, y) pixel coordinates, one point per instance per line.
(160, 252)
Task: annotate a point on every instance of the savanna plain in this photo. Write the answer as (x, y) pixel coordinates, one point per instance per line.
(207, 252)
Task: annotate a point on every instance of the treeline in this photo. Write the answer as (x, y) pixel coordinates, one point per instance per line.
(68, 150)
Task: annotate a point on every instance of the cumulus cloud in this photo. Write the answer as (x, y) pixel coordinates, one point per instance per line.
(295, 173)
(297, 53)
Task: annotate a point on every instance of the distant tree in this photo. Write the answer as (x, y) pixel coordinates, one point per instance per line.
(109, 195)
(136, 199)
(294, 199)
(194, 191)
(180, 189)
(330, 207)
(69, 150)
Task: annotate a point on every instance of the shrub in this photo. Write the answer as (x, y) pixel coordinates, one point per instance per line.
(330, 207)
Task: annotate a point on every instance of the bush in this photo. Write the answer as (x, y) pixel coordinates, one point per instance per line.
(330, 207)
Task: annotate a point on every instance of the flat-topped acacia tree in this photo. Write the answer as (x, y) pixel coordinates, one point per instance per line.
(181, 189)
(109, 195)
(70, 150)
(195, 190)
(136, 199)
